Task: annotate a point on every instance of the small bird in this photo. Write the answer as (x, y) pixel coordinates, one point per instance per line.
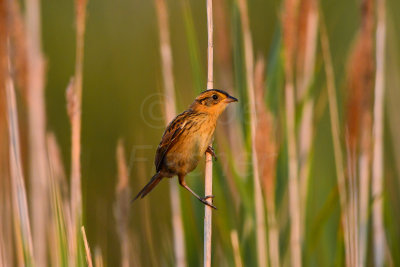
(187, 138)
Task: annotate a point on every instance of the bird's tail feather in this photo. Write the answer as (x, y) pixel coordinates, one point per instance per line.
(149, 186)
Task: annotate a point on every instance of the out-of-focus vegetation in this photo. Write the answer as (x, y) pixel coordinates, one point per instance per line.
(315, 72)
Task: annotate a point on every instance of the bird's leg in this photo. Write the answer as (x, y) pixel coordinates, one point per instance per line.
(202, 199)
(210, 150)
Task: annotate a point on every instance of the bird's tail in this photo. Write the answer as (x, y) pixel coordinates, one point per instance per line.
(149, 186)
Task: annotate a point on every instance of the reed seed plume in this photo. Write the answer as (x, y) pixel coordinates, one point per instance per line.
(290, 29)
(360, 77)
(360, 72)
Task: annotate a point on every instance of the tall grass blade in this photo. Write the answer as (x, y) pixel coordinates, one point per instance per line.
(377, 163)
(74, 106)
(338, 154)
(60, 224)
(266, 153)
(236, 249)
(289, 22)
(231, 132)
(197, 70)
(258, 199)
(37, 130)
(87, 248)
(358, 128)
(169, 114)
(98, 258)
(305, 72)
(22, 227)
(208, 179)
(122, 206)
(6, 243)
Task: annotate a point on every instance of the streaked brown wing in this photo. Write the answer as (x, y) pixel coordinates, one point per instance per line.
(170, 137)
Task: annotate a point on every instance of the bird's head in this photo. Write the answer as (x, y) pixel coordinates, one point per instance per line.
(212, 101)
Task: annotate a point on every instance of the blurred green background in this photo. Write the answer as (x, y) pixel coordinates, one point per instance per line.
(122, 83)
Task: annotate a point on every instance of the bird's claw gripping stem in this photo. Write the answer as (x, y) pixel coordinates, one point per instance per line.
(212, 152)
(204, 201)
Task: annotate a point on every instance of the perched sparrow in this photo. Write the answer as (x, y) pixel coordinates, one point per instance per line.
(187, 138)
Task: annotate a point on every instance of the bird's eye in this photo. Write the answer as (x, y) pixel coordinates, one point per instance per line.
(215, 97)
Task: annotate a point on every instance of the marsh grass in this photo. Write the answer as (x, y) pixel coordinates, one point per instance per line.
(305, 172)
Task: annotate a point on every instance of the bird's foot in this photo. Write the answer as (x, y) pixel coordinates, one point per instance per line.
(205, 202)
(210, 150)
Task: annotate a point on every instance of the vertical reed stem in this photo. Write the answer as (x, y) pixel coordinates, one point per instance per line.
(122, 207)
(236, 250)
(290, 20)
(295, 240)
(258, 200)
(364, 197)
(37, 130)
(74, 99)
(87, 248)
(338, 154)
(5, 205)
(208, 167)
(377, 167)
(169, 113)
(76, 112)
(19, 200)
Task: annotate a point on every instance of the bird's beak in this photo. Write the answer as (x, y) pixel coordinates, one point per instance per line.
(230, 99)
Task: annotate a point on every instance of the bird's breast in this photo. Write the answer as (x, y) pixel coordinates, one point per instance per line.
(187, 152)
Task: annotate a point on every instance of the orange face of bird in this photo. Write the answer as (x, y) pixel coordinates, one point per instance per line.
(212, 101)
